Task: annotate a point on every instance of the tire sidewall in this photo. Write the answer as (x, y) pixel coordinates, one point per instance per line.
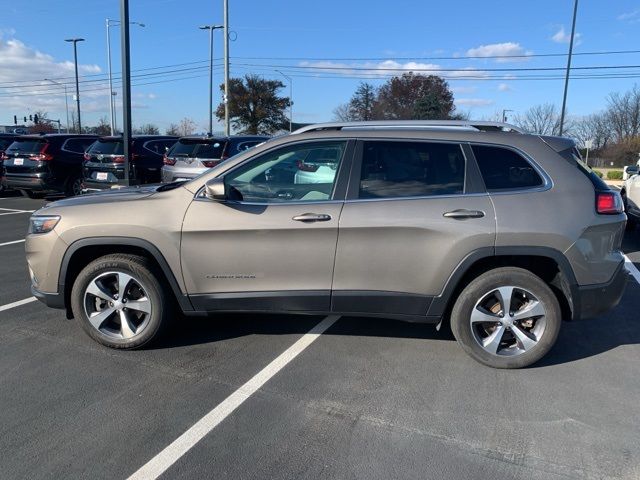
(493, 279)
(141, 273)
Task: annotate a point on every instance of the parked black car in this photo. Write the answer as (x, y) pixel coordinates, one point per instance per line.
(104, 161)
(6, 139)
(39, 164)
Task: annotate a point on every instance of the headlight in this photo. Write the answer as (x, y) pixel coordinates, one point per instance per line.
(43, 224)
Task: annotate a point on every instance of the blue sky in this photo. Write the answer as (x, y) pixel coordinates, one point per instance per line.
(326, 47)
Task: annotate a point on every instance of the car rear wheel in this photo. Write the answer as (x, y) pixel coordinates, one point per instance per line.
(506, 318)
(120, 301)
(73, 186)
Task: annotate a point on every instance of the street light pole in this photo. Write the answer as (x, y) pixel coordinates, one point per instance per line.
(126, 87)
(226, 67)
(75, 60)
(290, 99)
(566, 78)
(66, 99)
(112, 107)
(211, 28)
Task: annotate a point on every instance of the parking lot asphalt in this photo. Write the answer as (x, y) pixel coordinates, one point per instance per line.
(369, 398)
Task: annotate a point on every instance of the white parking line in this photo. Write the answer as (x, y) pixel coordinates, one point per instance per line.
(11, 243)
(167, 457)
(16, 210)
(631, 268)
(9, 306)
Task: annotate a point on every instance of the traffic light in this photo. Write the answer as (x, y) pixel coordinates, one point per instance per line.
(31, 118)
(25, 119)
(15, 119)
(35, 119)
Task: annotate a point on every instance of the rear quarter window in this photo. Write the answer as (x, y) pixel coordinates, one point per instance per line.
(505, 169)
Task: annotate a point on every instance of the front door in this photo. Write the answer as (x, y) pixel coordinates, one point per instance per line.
(411, 216)
(271, 245)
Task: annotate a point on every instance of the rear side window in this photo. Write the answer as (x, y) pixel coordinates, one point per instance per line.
(107, 147)
(78, 145)
(26, 146)
(411, 169)
(504, 169)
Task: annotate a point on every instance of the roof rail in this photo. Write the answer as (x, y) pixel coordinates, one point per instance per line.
(469, 125)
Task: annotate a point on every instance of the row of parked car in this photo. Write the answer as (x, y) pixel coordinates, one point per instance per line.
(75, 164)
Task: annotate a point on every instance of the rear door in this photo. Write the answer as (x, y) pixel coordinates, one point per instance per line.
(414, 211)
(27, 156)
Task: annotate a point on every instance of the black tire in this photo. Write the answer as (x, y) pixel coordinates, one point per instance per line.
(150, 281)
(478, 289)
(73, 187)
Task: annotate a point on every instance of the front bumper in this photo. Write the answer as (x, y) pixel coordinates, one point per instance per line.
(53, 300)
(594, 300)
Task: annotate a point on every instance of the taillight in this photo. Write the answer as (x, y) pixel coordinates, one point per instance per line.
(609, 203)
(168, 161)
(210, 163)
(43, 156)
(87, 157)
(3, 156)
(305, 167)
(119, 159)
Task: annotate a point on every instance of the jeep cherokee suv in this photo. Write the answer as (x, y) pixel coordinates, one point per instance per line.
(500, 233)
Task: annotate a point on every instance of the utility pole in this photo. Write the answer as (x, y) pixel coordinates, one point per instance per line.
(226, 68)
(75, 59)
(211, 28)
(290, 99)
(126, 87)
(66, 99)
(112, 108)
(566, 78)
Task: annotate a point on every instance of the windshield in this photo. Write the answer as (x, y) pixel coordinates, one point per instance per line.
(107, 147)
(26, 146)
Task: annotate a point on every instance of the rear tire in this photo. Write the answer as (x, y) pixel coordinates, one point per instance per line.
(119, 301)
(32, 194)
(73, 187)
(499, 338)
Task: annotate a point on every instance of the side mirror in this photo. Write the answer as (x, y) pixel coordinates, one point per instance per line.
(215, 189)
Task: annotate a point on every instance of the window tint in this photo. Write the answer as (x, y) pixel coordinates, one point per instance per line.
(304, 172)
(504, 169)
(26, 146)
(159, 147)
(210, 150)
(78, 145)
(107, 147)
(411, 169)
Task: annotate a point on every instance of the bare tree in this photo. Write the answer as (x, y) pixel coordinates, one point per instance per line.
(623, 113)
(595, 127)
(173, 129)
(542, 119)
(342, 113)
(186, 127)
(147, 129)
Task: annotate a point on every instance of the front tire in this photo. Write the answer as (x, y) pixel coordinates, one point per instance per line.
(120, 302)
(506, 318)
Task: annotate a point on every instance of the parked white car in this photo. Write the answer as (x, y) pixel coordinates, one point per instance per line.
(631, 197)
(629, 171)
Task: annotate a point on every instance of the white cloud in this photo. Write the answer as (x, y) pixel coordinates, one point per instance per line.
(563, 37)
(464, 89)
(504, 87)
(507, 49)
(630, 17)
(389, 67)
(474, 102)
(22, 73)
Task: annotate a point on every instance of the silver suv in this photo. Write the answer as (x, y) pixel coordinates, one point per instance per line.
(500, 233)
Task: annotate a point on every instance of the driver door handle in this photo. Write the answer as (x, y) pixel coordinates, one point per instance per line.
(312, 217)
(462, 214)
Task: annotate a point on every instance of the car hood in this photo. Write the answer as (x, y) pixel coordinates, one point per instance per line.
(106, 196)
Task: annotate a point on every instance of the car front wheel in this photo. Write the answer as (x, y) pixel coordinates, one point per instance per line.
(120, 302)
(506, 318)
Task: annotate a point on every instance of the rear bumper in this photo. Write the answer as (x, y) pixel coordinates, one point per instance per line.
(33, 181)
(594, 300)
(171, 173)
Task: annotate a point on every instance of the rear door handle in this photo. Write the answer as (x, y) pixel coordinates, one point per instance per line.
(312, 217)
(462, 214)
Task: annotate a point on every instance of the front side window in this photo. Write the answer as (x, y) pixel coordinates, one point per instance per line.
(302, 172)
(411, 169)
(504, 169)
